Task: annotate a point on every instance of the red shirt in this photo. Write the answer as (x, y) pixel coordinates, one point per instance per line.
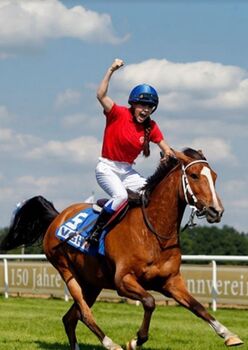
(123, 137)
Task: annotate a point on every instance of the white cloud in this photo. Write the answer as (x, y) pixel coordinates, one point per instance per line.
(235, 98)
(75, 120)
(67, 97)
(5, 56)
(235, 186)
(167, 76)
(189, 86)
(215, 149)
(79, 150)
(215, 138)
(5, 135)
(62, 189)
(240, 203)
(189, 127)
(6, 193)
(16, 143)
(5, 114)
(37, 184)
(235, 193)
(82, 120)
(25, 146)
(29, 22)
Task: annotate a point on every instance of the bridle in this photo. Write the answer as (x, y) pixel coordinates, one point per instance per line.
(187, 191)
(189, 197)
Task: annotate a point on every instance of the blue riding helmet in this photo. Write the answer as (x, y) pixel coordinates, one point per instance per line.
(144, 93)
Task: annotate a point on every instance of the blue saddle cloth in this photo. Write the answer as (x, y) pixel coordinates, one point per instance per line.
(78, 228)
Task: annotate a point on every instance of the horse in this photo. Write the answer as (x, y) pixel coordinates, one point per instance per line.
(142, 251)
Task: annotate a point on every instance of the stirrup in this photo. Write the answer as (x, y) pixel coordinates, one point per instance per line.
(94, 238)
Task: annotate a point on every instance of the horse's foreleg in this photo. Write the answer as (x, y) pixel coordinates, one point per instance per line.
(175, 287)
(82, 311)
(128, 286)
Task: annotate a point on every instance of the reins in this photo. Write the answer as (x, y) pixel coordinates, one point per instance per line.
(187, 190)
(160, 237)
(148, 223)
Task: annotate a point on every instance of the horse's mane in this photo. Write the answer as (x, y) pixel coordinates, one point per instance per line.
(192, 153)
(162, 170)
(165, 168)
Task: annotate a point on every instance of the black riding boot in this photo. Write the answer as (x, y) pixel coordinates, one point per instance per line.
(96, 230)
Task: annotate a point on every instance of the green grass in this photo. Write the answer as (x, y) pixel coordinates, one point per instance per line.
(35, 324)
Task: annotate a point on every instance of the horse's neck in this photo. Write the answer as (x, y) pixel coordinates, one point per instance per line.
(165, 208)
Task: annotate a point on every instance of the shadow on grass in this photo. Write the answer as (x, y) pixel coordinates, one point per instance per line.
(58, 346)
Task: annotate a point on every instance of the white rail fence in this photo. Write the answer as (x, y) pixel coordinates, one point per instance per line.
(210, 283)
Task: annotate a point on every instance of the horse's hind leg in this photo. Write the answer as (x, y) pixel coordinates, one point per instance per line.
(175, 288)
(70, 321)
(83, 314)
(73, 315)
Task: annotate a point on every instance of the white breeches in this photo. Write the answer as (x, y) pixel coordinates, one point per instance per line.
(115, 178)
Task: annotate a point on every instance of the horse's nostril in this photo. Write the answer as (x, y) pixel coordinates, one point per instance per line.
(214, 212)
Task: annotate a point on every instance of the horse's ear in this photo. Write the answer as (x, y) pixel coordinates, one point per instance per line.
(201, 153)
(181, 156)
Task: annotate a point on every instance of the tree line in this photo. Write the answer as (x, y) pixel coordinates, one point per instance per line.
(204, 240)
(200, 240)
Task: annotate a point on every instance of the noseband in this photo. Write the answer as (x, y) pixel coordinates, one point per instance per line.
(187, 191)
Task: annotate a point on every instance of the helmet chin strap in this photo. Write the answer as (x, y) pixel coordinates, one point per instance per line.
(154, 109)
(133, 107)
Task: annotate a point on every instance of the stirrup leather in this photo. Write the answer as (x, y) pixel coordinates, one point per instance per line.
(95, 235)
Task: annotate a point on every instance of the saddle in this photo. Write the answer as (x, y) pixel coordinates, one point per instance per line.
(134, 200)
(76, 229)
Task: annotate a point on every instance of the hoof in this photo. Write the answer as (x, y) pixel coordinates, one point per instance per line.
(132, 345)
(116, 347)
(110, 345)
(233, 341)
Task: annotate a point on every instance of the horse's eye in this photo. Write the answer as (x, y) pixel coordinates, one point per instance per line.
(194, 176)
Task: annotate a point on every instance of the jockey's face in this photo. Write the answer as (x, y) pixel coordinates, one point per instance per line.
(142, 111)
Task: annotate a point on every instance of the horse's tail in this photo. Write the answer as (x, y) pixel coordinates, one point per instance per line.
(29, 223)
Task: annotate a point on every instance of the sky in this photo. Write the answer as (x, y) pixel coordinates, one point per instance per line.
(53, 55)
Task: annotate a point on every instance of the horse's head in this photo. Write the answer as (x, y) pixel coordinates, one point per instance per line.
(198, 185)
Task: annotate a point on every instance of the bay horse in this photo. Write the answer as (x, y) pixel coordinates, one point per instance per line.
(142, 252)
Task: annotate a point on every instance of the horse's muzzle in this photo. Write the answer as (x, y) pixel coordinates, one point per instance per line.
(213, 215)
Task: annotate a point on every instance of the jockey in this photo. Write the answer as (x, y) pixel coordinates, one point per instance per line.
(127, 133)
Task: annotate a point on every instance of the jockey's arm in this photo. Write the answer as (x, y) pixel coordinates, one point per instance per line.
(165, 148)
(102, 90)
